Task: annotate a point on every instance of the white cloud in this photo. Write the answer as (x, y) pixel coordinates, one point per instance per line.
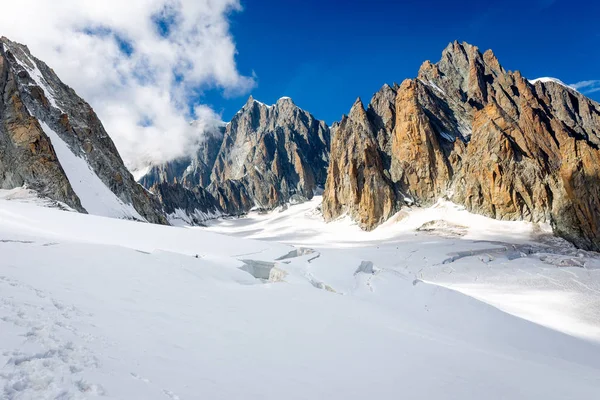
(587, 87)
(137, 62)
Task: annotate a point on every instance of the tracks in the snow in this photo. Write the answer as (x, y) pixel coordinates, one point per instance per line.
(50, 356)
(53, 363)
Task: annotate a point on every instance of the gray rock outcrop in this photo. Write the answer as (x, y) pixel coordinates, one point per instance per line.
(265, 155)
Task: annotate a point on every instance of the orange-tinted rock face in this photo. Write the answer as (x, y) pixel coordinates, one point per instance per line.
(418, 161)
(483, 137)
(26, 154)
(356, 181)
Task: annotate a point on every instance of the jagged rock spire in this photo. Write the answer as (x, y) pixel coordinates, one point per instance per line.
(486, 138)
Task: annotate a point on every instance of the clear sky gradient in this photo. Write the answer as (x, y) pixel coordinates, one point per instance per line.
(324, 54)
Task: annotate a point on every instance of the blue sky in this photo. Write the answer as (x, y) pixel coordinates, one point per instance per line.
(324, 54)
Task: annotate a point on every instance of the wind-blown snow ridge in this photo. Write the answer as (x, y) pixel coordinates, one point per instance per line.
(26, 195)
(549, 79)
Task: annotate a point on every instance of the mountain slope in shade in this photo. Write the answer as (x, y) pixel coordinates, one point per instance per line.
(274, 151)
(52, 141)
(262, 158)
(186, 206)
(482, 136)
(190, 171)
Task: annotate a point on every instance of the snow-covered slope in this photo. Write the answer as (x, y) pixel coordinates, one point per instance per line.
(516, 266)
(93, 306)
(94, 195)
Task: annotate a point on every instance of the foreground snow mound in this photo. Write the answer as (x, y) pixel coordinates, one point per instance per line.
(97, 307)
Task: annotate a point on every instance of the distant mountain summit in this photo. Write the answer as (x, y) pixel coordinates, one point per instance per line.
(484, 137)
(52, 142)
(189, 171)
(262, 158)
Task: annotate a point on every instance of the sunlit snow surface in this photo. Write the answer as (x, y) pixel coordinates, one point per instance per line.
(516, 266)
(97, 307)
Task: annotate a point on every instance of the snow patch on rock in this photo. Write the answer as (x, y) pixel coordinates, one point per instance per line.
(547, 79)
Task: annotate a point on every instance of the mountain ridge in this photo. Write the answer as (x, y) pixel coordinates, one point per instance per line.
(484, 137)
(52, 141)
(464, 129)
(264, 156)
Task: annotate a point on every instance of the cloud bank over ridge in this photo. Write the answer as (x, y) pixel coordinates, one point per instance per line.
(142, 64)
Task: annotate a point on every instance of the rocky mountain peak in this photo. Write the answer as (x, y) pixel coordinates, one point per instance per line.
(492, 62)
(357, 112)
(428, 69)
(285, 100)
(460, 51)
(464, 70)
(483, 137)
(385, 94)
(266, 155)
(52, 141)
(381, 112)
(457, 55)
(257, 113)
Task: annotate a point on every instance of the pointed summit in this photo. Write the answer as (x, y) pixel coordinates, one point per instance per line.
(357, 112)
(492, 62)
(459, 54)
(453, 48)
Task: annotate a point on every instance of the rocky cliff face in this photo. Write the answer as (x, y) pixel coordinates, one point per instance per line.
(26, 153)
(265, 155)
(186, 206)
(482, 136)
(190, 171)
(357, 181)
(274, 151)
(52, 141)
